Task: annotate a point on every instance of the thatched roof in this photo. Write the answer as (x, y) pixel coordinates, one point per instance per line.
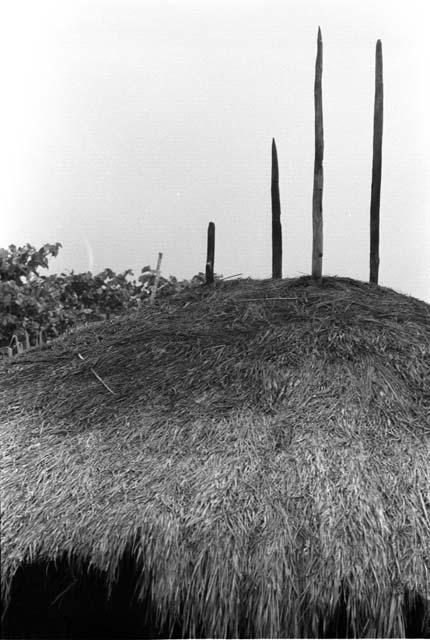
(266, 449)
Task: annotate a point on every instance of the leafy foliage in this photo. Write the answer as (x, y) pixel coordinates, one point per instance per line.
(17, 263)
(35, 307)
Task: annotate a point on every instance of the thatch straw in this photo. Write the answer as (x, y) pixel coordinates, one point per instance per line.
(266, 458)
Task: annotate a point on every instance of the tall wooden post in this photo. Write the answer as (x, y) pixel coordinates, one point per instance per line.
(210, 256)
(276, 217)
(317, 221)
(376, 166)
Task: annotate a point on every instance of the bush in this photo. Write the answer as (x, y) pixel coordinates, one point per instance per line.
(35, 307)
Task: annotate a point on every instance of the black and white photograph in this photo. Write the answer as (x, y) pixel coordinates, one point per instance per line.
(215, 319)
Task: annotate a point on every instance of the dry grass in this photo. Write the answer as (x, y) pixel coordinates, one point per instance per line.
(266, 449)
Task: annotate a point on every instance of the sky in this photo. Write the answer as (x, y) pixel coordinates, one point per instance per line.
(128, 125)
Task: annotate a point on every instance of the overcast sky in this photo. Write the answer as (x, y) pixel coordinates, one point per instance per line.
(128, 125)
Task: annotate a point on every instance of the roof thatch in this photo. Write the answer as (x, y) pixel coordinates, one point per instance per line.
(265, 445)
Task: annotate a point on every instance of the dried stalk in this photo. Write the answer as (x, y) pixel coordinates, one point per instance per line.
(98, 377)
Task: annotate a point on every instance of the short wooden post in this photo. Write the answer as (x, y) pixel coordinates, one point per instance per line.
(210, 256)
(157, 279)
(276, 217)
(317, 221)
(376, 166)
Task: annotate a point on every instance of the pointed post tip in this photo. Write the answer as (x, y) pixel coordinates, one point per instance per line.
(319, 33)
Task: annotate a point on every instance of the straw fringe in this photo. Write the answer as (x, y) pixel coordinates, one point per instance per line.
(264, 460)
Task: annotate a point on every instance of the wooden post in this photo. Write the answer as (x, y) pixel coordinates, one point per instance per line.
(276, 217)
(157, 279)
(317, 222)
(210, 256)
(376, 166)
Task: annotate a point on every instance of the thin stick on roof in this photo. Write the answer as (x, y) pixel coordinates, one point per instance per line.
(98, 377)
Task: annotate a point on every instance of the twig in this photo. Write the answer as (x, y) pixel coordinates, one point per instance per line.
(98, 377)
(157, 279)
(233, 276)
(264, 299)
(38, 360)
(60, 595)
